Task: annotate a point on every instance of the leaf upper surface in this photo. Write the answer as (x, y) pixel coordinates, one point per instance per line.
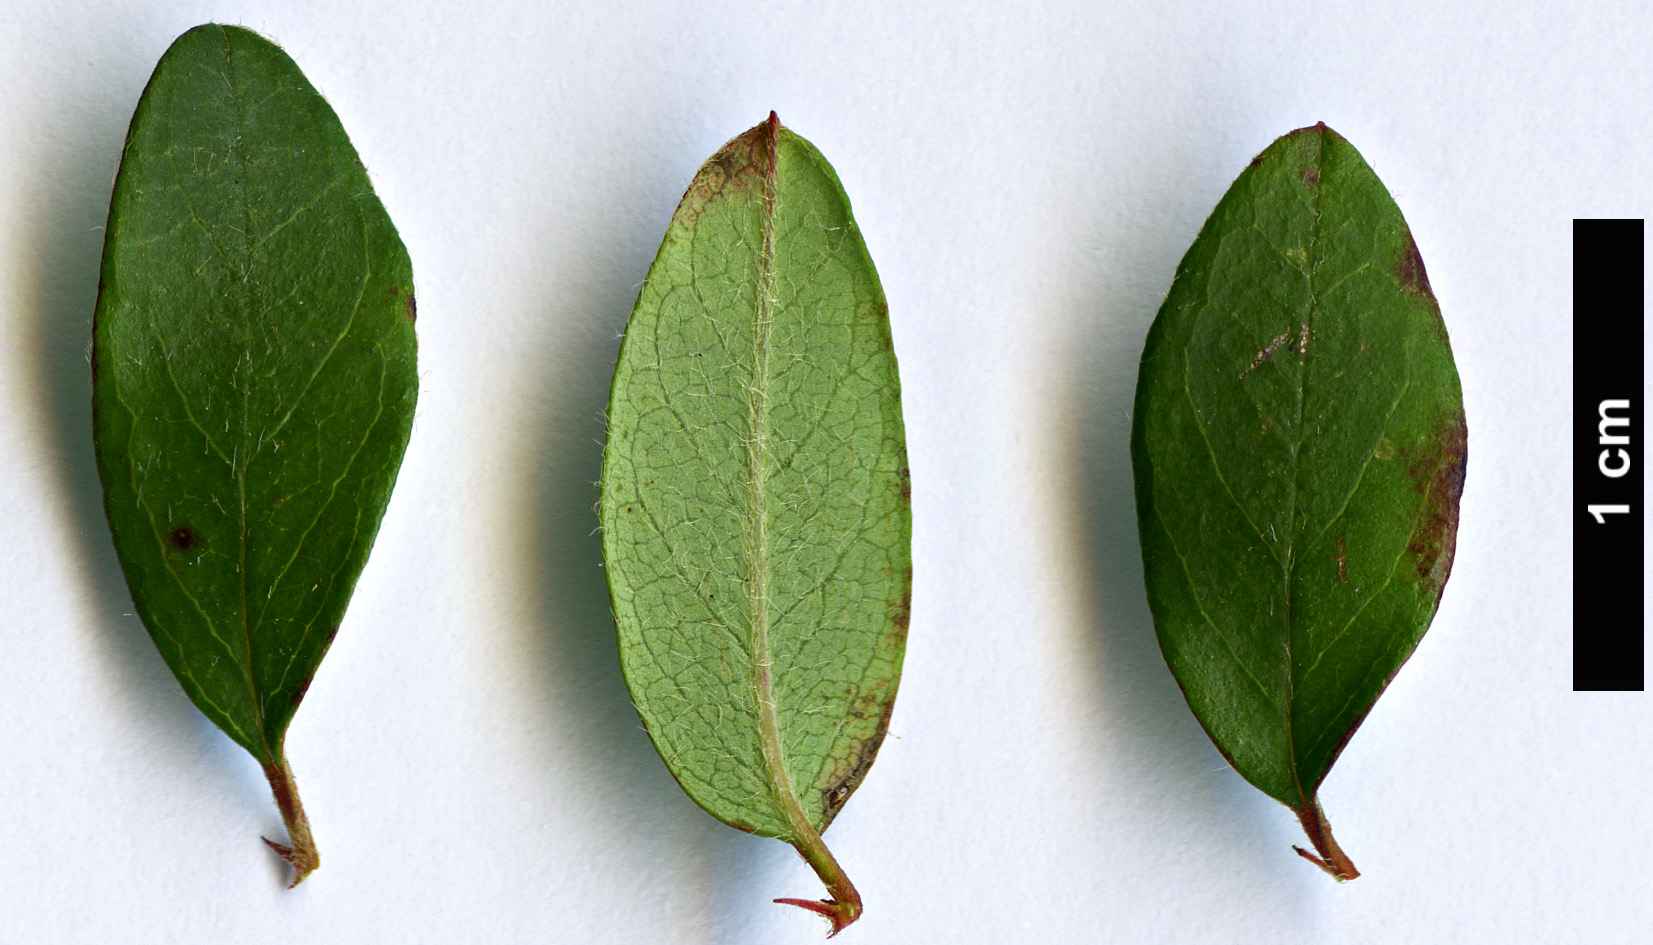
(253, 374)
(754, 496)
(1298, 448)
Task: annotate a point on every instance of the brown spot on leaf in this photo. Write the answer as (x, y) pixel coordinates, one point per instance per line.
(1342, 559)
(1437, 470)
(303, 687)
(1266, 353)
(183, 538)
(1409, 272)
(905, 488)
(409, 309)
(902, 613)
(739, 166)
(879, 313)
(834, 796)
(736, 164)
(1310, 174)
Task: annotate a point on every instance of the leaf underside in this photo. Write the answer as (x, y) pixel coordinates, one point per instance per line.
(756, 528)
(1298, 448)
(253, 376)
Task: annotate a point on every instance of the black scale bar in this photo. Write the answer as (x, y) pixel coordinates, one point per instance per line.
(1608, 629)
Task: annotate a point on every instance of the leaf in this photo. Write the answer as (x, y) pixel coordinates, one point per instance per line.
(253, 382)
(1299, 449)
(755, 500)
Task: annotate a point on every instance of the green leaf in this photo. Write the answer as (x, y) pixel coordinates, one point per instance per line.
(755, 513)
(1299, 449)
(253, 382)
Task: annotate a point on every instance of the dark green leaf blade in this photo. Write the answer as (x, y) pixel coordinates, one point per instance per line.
(1298, 447)
(756, 527)
(253, 381)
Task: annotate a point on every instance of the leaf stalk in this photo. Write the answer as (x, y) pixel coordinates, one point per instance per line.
(302, 855)
(1332, 859)
(845, 905)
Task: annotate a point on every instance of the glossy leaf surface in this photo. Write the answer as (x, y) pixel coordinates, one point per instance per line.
(1299, 449)
(253, 381)
(755, 501)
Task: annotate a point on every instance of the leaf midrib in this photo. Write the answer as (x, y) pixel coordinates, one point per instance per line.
(1289, 565)
(239, 464)
(769, 734)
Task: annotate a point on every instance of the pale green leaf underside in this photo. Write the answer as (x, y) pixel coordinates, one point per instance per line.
(254, 375)
(1299, 453)
(755, 513)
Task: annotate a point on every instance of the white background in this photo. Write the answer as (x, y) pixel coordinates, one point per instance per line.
(1027, 177)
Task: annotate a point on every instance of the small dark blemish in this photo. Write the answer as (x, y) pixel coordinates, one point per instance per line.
(1342, 558)
(183, 538)
(1310, 175)
(905, 489)
(412, 309)
(303, 687)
